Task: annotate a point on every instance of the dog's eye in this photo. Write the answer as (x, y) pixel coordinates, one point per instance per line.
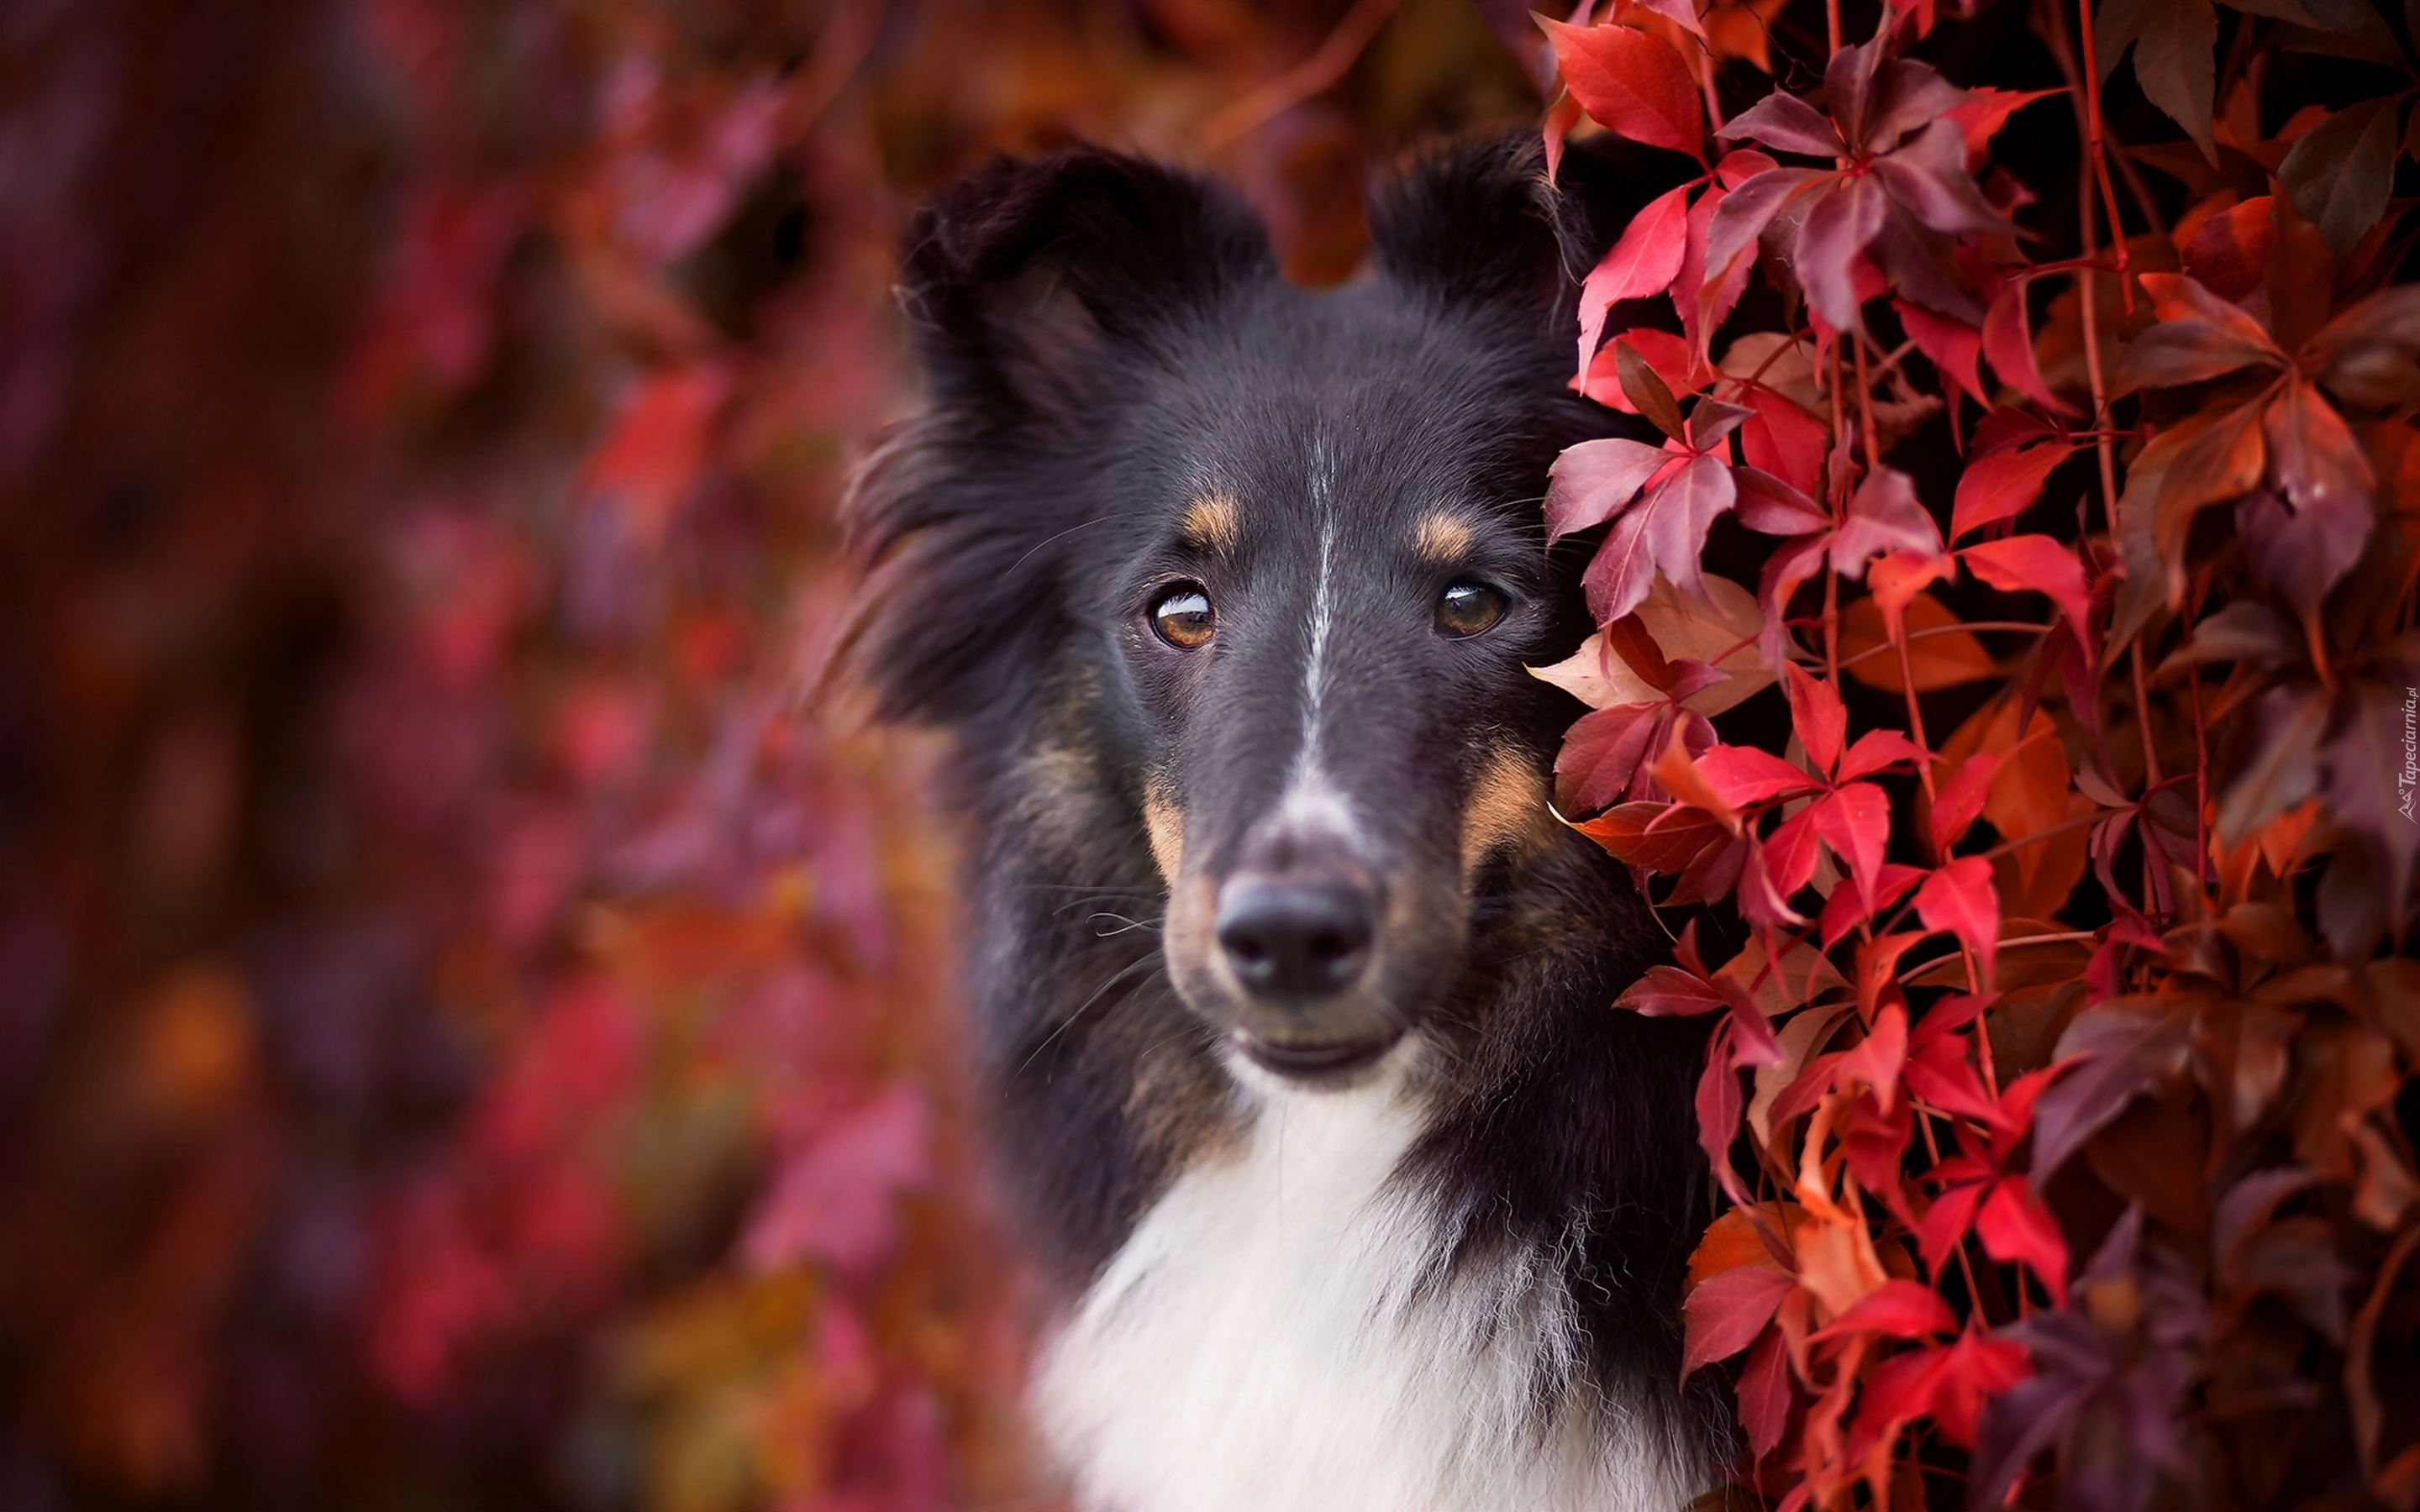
(1465, 608)
(1181, 615)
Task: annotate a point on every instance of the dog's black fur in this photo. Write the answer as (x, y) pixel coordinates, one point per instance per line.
(1107, 344)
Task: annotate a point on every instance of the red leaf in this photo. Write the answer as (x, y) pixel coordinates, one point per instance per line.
(1884, 515)
(1769, 506)
(1783, 439)
(1955, 802)
(1784, 121)
(1561, 116)
(1752, 1041)
(1666, 528)
(1878, 1057)
(1979, 1369)
(1668, 991)
(1875, 750)
(2013, 1117)
(1848, 907)
(1711, 877)
(1592, 480)
(1726, 1313)
(1655, 837)
(1643, 262)
(1986, 110)
(1632, 84)
(1788, 853)
(1667, 353)
(2176, 298)
(1741, 217)
(1629, 638)
(1946, 1221)
(1816, 713)
(1831, 239)
(2016, 1228)
(1855, 821)
(2229, 254)
(2000, 430)
(2003, 485)
(2186, 351)
(1680, 12)
(1602, 753)
(2035, 564)
(1928, 177)
(1961, 899)
(1764, 1394)
(1743, 774)
(1764, 899)
(1703, 301)
(1950, 1384)
(1718, 1107)
(2010, 347)
(2111, 1051)
(1953, 346)
(1898, 1309)
(1649, 396)
(1938, 1076)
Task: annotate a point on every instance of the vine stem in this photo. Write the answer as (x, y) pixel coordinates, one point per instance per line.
(2085, 83)
(2203, 865)
(2012, 626)
(1865, 407)
(2097, 161)
(1933, 1148)
(1706, 84)
(1914, 716)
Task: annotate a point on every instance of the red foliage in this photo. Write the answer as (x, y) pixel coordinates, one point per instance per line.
(472, 1032)
(2207, 1020)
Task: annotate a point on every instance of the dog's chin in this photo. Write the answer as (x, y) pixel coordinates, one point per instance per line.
(1315, 1064)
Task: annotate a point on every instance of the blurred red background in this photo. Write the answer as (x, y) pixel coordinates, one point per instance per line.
(475, 1031)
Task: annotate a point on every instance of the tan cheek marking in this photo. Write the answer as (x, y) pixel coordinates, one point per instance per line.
(1214, 523)
(1506, 810)
(1165, 823)
(1441, 538)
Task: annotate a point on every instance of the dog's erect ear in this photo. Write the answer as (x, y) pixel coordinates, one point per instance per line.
(1013, 276)
(1481, 220)
(1032, 288)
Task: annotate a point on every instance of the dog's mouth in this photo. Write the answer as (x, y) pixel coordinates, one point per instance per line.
(1314, 1060)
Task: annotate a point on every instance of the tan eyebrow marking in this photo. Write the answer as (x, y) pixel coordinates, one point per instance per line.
(1214, 523)
(1441, 538)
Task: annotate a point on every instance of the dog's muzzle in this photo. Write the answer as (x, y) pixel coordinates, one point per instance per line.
(1298, 937)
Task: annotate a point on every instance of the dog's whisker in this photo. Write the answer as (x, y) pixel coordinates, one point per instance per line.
(1078, 1012)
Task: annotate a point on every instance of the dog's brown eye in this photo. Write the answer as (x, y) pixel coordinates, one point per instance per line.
(1465, 608)
(1182, 616)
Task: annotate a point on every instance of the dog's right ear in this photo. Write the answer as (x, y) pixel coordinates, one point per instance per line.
(1031, 288)
(1014, 278)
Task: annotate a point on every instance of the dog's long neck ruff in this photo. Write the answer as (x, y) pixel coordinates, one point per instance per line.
(1283, 1331)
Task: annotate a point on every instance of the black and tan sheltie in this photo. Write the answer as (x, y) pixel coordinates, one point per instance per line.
(1294, 996)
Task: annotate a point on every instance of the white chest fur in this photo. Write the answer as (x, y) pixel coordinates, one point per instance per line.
(1263, 1344)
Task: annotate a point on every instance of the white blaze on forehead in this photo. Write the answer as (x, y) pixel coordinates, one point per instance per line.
(1312, 801)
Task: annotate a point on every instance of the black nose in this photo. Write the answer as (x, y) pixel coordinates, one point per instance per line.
(1295, 938)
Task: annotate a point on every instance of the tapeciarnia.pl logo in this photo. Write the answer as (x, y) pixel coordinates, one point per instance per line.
(2407, 781)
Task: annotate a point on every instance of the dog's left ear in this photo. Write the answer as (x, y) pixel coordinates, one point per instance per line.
(1481, 220)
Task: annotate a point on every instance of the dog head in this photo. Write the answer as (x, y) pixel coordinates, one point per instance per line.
(1271, 562)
